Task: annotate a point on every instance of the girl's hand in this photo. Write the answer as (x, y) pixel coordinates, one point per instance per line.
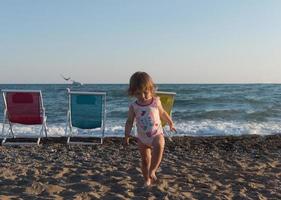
(172, 128)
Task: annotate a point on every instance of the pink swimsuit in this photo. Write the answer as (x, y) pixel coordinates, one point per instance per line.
(148, 121)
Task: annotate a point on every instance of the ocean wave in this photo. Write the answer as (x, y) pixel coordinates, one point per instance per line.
(207, 114)
(218, 101)
(216, 128)
(122, 113)
(184, 128)
(199, 109)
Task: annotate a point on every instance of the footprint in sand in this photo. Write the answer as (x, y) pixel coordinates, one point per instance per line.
(7, 197)
(62, 173)
(35, 189)
(163, 185)
(54, 189)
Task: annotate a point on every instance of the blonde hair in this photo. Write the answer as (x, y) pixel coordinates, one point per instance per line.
(141, 81)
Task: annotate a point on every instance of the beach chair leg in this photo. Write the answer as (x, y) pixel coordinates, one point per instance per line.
(46, 131)
(4, 122)
(101, 140)
(45, 127)
(3, 141)
(65, 131)
(3, 128)
(41, 130)
(38, 141)
(70, 134)
(11, 132)
(67, 123)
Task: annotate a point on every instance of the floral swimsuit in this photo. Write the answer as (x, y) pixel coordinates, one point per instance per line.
(148, 121)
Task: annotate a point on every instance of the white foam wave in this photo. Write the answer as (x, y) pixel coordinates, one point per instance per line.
(58, 130)
(216, 128)
(188, 128)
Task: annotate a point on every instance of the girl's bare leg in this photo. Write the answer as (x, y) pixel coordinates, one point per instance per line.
(145, 152)
(157, 154)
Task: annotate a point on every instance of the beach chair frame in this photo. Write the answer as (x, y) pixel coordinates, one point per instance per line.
(172, 94)
(69, 125)
(7, 121)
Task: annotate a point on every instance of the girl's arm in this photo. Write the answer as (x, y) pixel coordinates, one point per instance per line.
(129, 124)
(164, 115)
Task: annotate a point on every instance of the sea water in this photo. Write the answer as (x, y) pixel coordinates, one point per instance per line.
(199, 109)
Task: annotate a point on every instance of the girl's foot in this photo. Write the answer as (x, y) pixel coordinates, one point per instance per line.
(153, 177)
(147, 183)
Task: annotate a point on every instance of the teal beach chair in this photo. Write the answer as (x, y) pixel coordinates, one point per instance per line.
(86, 111)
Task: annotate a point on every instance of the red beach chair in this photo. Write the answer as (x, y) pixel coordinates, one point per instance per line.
(23, 107)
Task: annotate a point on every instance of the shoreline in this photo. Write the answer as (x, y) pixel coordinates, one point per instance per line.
(216, 167)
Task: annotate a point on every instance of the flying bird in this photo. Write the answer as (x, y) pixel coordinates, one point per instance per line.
(67, 79)
(73, 81)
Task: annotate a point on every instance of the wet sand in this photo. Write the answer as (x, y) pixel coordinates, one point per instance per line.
(244, 167)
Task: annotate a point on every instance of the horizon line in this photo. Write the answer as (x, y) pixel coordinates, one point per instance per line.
(161, 83)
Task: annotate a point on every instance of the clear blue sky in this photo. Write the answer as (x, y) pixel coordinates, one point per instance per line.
(187, 41)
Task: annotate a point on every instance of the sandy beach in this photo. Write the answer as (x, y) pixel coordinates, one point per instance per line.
(244, 167)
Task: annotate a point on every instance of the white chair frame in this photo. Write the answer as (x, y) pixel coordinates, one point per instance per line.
(69, 121)
(10, 130)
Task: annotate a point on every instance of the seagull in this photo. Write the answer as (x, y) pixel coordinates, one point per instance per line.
(73, 81)
(67, 79)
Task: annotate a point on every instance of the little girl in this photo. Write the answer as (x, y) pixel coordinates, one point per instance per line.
(147, 110)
